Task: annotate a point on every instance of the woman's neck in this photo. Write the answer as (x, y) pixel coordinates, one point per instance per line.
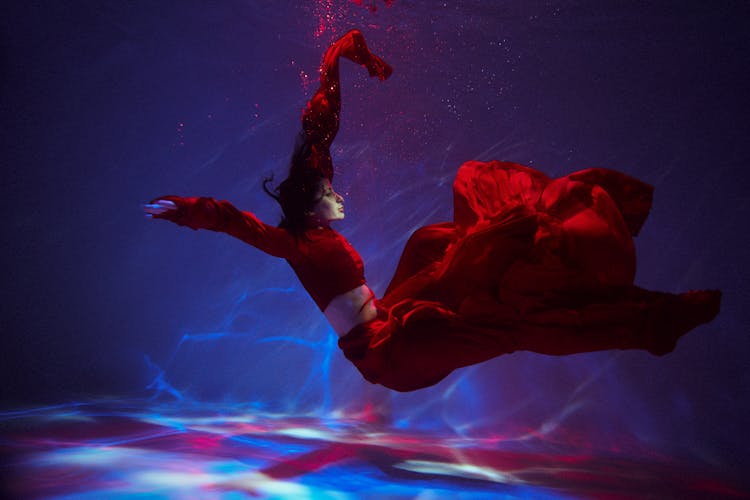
(314, 224)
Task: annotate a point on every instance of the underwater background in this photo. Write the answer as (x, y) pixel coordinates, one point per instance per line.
(107, 105)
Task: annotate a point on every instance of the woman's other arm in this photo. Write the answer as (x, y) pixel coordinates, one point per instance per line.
(222, 216)
(320, 119)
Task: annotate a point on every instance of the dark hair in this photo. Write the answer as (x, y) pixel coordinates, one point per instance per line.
(298, 193)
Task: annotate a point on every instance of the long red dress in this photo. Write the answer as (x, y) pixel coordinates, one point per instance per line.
(528, 264)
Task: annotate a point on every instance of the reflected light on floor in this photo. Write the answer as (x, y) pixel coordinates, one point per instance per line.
(128, 449)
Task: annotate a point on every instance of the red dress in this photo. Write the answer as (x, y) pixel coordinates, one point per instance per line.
(529, 264)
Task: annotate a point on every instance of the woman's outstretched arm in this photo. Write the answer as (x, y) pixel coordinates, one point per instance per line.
(222, 216)
(320, 119)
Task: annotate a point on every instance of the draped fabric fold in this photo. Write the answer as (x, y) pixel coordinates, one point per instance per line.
(529, 263)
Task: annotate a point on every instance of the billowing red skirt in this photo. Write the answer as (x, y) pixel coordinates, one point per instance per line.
(529, 263)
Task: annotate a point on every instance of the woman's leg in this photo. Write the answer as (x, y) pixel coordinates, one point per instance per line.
(629, 318)
(421, 345)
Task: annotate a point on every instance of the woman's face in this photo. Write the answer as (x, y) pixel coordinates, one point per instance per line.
(329, 205)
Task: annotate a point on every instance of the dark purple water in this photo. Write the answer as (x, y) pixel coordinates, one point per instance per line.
(107, 105)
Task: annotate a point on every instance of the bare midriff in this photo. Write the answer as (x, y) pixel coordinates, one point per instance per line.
(350, 309)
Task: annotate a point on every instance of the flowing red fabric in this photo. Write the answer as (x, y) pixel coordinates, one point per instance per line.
(529, 263)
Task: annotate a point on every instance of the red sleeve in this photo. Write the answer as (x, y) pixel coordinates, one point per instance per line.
(222, 216)
(320, 118)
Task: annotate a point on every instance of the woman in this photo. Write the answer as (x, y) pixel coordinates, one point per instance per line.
(529, 263)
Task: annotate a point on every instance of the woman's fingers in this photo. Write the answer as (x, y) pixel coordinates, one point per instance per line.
(154, 208)
(159, 207)
(378, 67)
(384, 71)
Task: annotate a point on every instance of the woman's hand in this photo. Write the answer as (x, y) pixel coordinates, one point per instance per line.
(159, 208)
(378, 67)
